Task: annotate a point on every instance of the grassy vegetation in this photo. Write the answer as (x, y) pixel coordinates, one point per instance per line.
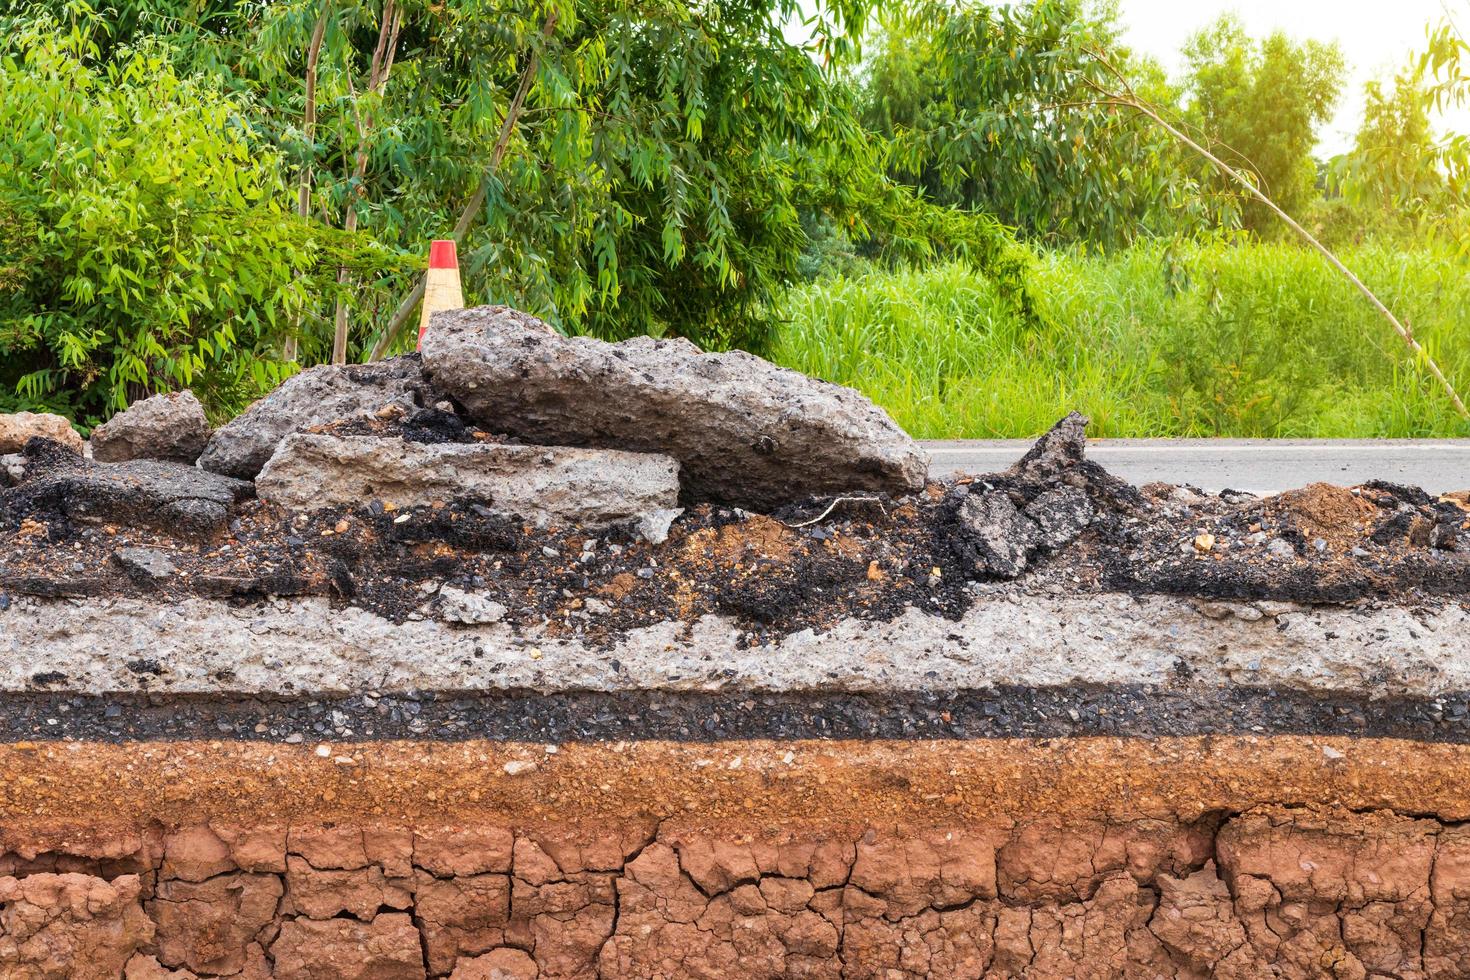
(1203, 340)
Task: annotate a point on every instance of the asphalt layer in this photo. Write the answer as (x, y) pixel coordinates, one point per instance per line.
(1258, 466)
(1017, 712)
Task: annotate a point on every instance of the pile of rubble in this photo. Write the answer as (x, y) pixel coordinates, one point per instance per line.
(588, 489)
(570, 430)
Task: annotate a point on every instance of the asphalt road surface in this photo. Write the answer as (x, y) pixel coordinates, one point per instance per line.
(1258, 465)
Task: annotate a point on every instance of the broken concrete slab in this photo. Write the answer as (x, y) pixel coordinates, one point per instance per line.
(1038, 506)
(1060, 515)
(543, 484)
(743, 430)
(17, 428)
(170, 497)
(169, 426)
(313, 397)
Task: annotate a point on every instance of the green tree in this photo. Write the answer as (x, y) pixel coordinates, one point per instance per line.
(143, 220)
(1393, 175)
(619, 168)
(1260, 103)
(996, 108)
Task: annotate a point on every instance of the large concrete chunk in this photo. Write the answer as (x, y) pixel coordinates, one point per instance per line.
(540, 483)
(169, 426)
(743, 430)
(316, 395)
(171, 497)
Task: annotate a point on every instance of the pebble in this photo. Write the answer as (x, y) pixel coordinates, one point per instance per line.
(1281, 548)
(517, 767)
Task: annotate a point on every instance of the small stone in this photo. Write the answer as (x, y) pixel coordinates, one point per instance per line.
(459, 606)
(1320, 544)
(1204, 543)
(1332, 753)
(12, 469)
(645, 573)
(1281, 548)
(323, 751)
(145, 564)
(517, 767)
(654, 526)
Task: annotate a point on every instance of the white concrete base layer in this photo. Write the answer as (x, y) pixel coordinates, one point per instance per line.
(304, 646)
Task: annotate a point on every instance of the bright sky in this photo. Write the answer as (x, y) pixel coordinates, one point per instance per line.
(1376, 37)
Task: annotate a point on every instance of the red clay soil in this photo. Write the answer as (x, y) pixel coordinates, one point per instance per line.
(1086, 858)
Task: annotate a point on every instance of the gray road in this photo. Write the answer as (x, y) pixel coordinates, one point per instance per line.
(1257, 465)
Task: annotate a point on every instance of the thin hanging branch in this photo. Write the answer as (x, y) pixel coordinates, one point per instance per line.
(1128, 100)
(308, 129)
(472, 207)
(382, 65)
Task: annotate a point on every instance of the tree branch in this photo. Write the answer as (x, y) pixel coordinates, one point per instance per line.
(1129, 100)
(477, 199)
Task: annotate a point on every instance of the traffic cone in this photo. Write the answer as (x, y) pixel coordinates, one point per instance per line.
(441, 283)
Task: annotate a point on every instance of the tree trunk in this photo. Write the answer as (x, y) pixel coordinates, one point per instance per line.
(308, 128)
(382, 64)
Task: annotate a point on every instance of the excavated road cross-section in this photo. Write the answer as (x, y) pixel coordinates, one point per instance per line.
(1036, 724)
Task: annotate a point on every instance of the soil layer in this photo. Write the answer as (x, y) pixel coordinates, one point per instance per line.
(1231, 857)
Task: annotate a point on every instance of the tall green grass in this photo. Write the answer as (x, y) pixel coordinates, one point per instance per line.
(1207, 340)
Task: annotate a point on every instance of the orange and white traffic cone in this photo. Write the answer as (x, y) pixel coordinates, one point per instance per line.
(441, 283)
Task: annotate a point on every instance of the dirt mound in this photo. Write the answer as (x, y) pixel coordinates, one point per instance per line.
(1321, 510)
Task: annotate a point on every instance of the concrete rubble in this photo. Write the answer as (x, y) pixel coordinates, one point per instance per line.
(242, 447)
(744, 431)
(170, 426)
(170, 497)
(543, 484)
